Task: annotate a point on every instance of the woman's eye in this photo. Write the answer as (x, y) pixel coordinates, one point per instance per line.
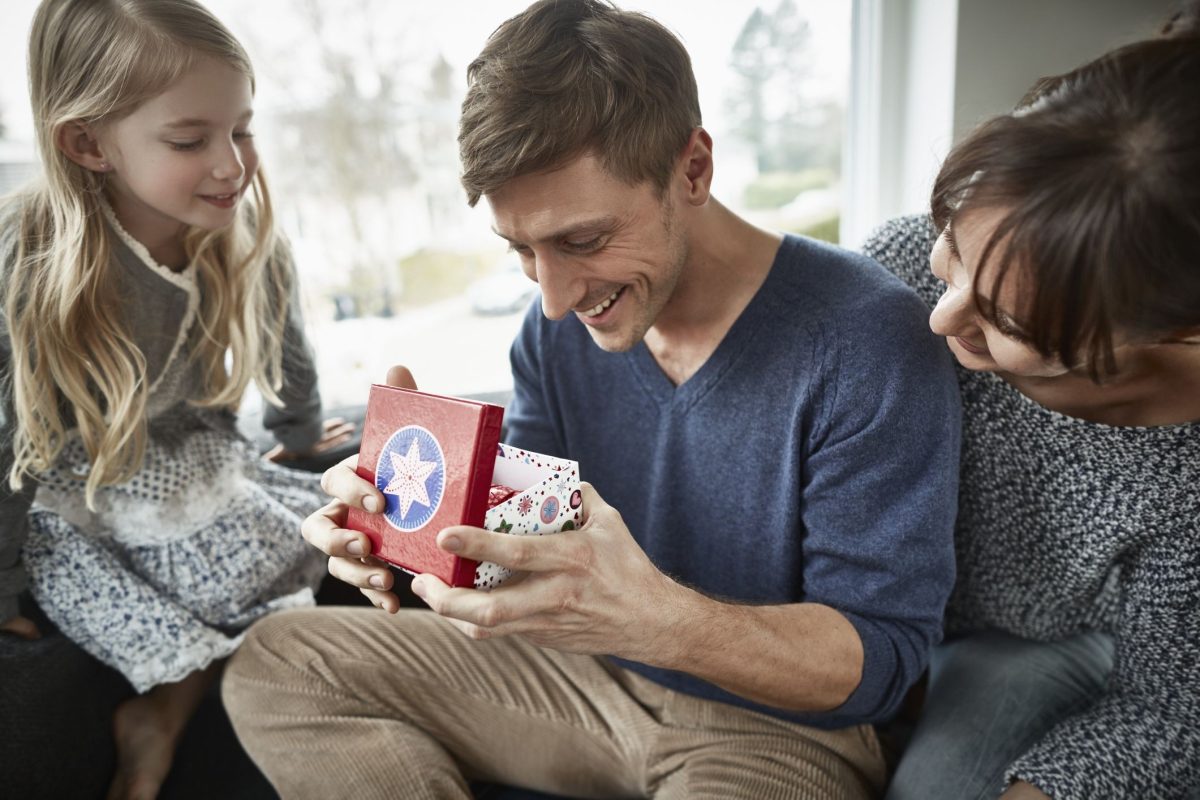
(193, 145)
(243, 135)
(1009, 328)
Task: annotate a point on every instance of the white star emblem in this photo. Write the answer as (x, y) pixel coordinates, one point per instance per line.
(408, 484)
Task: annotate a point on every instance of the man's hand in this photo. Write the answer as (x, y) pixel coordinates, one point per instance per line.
(349, 551)
(1021, 790)
(335, 434)
(589, 591)
(22, 627)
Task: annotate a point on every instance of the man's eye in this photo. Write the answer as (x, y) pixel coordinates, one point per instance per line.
(583, 247)
(192, 145)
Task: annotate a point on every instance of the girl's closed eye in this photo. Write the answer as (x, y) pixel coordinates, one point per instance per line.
(193, 144)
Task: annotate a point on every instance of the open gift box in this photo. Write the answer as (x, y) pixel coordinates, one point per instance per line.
(435, 458)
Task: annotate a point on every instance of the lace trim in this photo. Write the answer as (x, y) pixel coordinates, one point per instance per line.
(184, 279)
(183, 661)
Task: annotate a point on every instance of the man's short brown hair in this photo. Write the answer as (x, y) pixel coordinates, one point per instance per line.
(566, 77)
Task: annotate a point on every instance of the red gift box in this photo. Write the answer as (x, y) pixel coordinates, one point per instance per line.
(435, 458)
(432, 457)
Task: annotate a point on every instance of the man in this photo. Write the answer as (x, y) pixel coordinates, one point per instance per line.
(772, 419)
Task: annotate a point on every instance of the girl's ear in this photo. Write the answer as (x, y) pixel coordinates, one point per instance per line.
(78, 143)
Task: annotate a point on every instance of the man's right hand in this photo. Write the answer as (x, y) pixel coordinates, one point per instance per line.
(349, 551)
(21, 626)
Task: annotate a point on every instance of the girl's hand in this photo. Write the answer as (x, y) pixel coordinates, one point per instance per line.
(22, 627)
(337, 433)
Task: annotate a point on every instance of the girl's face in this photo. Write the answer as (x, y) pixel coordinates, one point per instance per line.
(184, 157)
(976, 342)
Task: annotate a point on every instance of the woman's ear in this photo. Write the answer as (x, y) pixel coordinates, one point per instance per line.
(78, 143)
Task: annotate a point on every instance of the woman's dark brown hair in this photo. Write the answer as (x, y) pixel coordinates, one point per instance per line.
(1098, 176)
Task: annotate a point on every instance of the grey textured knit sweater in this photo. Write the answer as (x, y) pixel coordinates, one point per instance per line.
(1067, 526)
(158, 308)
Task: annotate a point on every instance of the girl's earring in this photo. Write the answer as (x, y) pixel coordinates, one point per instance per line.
(104, 166)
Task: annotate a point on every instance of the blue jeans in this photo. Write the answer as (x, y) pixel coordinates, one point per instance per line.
(991, 697)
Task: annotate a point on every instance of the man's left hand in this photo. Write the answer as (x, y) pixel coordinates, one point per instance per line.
(589, 591)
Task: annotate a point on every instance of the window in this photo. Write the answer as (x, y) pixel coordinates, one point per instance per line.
(356, 119)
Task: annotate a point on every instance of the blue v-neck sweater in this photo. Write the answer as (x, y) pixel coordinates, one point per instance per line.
(812, 458)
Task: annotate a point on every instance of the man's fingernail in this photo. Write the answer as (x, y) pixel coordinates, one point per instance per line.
(376, 581)
(354, 547)
(418, 588)
(451, 543)
(371, 503)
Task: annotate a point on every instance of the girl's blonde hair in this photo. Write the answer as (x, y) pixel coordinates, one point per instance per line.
(74, 362)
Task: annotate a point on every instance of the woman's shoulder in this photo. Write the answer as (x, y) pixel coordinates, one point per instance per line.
(902, 246)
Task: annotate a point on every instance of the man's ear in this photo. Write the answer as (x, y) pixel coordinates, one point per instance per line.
(78, 143)
(697, 165)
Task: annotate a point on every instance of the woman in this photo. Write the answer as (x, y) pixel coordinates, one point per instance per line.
(1066, 279)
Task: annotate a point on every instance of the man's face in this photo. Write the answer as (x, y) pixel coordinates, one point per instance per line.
(609, 252)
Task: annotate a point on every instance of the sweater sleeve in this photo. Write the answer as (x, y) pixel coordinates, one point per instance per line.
(880, 493)
(14, 506)
(297, 424)
(14, 510)
(1142, 737)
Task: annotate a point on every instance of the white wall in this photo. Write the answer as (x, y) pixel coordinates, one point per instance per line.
(925, 72)
(1003, 47)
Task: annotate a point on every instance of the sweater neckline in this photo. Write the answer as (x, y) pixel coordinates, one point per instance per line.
(184, 278)
(658, 386)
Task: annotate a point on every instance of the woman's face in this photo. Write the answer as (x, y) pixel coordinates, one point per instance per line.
(975, 341)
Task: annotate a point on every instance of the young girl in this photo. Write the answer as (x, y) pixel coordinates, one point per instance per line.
(1066, 280)
(145, 287)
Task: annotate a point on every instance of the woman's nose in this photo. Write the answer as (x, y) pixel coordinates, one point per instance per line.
(954, 314)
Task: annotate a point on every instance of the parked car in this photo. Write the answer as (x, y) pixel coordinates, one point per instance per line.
(505, 291)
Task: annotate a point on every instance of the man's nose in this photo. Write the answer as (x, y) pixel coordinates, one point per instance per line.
(560, 291)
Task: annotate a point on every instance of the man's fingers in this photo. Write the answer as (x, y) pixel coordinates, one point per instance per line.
(357, 572)
(521, 553)
(592, 501)
(323, 530)
(401, 377)
(388, 601)
(342, 482)
(499, 611)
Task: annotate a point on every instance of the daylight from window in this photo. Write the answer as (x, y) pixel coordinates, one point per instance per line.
(356, 118)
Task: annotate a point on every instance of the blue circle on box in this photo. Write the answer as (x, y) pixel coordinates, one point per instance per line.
(411, 473)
